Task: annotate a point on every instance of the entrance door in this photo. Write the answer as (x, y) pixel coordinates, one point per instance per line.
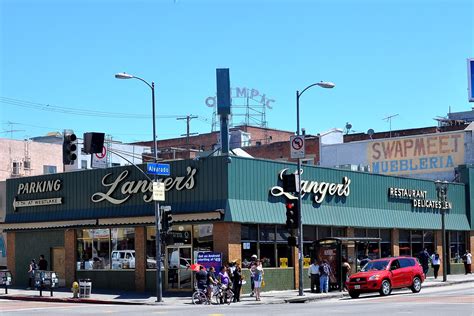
(58, 264)
(178, 273)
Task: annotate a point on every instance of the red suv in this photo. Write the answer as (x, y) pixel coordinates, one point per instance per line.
(383, 275)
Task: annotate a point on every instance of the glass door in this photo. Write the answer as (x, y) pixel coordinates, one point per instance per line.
(179, 275)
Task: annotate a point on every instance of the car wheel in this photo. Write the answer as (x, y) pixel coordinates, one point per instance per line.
(354, 294)
(386, 288)
(416, 286)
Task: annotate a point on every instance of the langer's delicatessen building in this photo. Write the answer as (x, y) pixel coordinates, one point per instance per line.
(99, 224)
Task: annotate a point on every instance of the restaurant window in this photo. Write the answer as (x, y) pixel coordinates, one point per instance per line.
(123, 248)
(324, 232)
(338, 232)
(93, 249)
(202, 237)
(457, 245)
(309, 234)
(385, 243)
(249, 239)
(416, 242)
(428, 241)
(404, 242)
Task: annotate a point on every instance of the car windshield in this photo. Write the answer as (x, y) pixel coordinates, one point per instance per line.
(375, 265)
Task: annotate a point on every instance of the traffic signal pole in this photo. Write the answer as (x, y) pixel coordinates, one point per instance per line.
(300, 217)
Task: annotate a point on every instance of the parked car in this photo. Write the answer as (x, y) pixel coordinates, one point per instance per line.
(383, 275)
(125, 259)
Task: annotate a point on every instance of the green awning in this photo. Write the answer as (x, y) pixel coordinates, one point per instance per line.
(262, 212)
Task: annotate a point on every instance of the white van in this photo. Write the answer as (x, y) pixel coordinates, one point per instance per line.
(125, 259)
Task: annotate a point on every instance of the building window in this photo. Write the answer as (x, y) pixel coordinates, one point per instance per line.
(385, 243)
(16, 168)
(404, 242)
(457, 245)
(49, 169)
(83, 164)
(106, 248)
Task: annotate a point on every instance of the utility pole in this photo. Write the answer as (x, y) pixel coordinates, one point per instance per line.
(188, 119)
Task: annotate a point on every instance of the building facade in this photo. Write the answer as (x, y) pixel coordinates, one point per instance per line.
(99, 224)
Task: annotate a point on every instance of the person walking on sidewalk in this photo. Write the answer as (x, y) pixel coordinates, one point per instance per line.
(324, 271)
(424, 258)
(435, 263)
(346, 272)
(253, 266)
(313, 274)
(258, 279)
(467, 260)
(31, 274)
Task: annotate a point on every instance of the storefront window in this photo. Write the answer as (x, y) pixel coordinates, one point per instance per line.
(428, 240)
(324, 232)
(457, 246)
(404, 243)
(203, 238)
(267, 232)
(338, 232)
(385, 243)
(267, 254)
(93, 249)
(249, 232)
(309, 233)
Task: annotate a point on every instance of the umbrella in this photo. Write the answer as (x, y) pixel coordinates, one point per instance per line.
(195, 267)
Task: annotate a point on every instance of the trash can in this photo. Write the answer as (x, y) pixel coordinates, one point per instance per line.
(85, 288)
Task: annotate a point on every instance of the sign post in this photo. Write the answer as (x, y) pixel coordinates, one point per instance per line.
(297, 147)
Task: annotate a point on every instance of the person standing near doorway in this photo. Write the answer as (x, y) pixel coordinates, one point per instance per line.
(467, 260)
(313, 273)
(42, 263)
(435, 263)
(31, 274)
(324, 271)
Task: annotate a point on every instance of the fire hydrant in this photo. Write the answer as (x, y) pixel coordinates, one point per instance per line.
(75, 290)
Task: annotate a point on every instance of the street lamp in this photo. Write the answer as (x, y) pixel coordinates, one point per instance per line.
(442, 190)
(159, 296)
(322, 84)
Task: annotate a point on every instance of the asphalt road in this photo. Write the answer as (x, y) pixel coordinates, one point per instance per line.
(448, 300)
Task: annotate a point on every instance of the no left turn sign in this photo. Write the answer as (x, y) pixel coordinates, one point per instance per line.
(297, 146)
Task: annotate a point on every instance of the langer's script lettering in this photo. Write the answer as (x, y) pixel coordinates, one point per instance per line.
(126, 189)
(319, 189)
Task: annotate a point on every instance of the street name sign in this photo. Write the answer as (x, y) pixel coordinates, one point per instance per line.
(160, 169)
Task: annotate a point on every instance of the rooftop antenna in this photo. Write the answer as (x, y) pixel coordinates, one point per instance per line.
(389, 119)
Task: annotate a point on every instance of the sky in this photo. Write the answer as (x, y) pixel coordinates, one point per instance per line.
(58, 60)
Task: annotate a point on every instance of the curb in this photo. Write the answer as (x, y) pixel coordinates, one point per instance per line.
(67, 300)
(345, 294)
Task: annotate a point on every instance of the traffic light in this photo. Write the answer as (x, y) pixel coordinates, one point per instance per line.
(166, 220)
(69, 148)
(292, 241)
(292, 216)
(93, 143)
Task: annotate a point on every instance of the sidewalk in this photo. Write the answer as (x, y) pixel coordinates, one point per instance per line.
(173, 298)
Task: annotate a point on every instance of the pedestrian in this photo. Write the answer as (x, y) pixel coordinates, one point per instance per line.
(324, 272)
(224, 280)
(31, 274)
(424, 258)
(467, 260)
(211, 282)
(237, 282)
(253, 266)
(346, 272)
(258, 279)
(313, 274)
(201, 278)
(435, 263)
(42, 263)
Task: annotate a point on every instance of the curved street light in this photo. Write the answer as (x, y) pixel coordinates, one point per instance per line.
(326, 85)
(159, 296)
(442, 190)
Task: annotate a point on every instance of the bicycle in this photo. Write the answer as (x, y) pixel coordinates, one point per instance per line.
(200, 297)
(223, 293)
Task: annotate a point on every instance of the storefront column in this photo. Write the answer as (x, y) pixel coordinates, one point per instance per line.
(226, 238)
(11, 254)
(471, 241)
(140, 259)
(71, 256)
(296, 264)
(395, 248)
(439, 249)
(351, 256)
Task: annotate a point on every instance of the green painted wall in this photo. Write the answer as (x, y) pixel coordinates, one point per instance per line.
(30, 245)
(276, 279)
(467, 176)
(115, 280)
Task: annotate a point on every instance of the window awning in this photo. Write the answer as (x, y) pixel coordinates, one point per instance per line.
(39, 225)
(190, 217)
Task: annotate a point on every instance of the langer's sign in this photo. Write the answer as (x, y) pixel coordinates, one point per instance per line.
(319, 189)
(123, 190)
